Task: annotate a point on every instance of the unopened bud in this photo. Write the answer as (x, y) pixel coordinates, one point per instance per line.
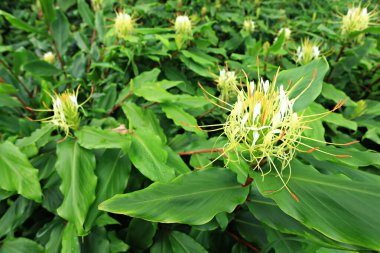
(49, 57)
(183, 25)
(249, 26)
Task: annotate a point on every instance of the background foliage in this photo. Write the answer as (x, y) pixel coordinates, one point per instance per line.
(134, 155)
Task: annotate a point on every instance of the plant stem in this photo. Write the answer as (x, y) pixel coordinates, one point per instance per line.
(58, 54)
(201, 151)
(118, 105)
(30, 94)
(209, 111)
(247, 244)
(93, 37)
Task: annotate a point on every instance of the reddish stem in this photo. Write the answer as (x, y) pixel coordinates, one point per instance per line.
(58, 54)
(118, 105)
(201, 151)
(237, 238)
(93, 37)
(30, 94)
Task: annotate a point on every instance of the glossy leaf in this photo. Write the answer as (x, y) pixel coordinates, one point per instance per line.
(17, 174)
(193, 198)
(313, 73)
(339, 208)
(113, 173)
(70, 242)
(20, 245)
(76, 167)
(95, 138)
(148, 154)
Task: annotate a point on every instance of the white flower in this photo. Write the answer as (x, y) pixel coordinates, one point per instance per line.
(249, 26)
(183, 25)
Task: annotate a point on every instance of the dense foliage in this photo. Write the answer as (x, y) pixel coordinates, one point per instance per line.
(189, 126)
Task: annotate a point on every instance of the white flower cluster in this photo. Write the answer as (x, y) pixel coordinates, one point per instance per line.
(183, 25)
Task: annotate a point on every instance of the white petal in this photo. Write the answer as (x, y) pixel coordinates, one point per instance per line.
(244, 120)
(256, 136)
(252, 84)
(256, 111)
(74, 100)
(266, 86)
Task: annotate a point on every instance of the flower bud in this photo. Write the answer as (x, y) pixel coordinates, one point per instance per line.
(66, 111)
(49, 57)
(307, 52)
(287, 32)
(123, 24)
(226, 83)
(249, 26)
(183, 25)
(97, 5)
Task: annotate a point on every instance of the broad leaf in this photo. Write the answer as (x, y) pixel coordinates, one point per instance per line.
(193, 198)
(337, 207)
(70, 242)
(17, 174)
(113, 173)
(75, 165)
(94, 138)
(20, 245)
(149, 156)
(308, 79)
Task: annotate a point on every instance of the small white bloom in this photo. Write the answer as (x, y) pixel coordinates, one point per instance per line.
(182, 25)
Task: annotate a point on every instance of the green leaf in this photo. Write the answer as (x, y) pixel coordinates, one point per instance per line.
(329, 91)
(181, 118)
(30, 145)
(20, 245)
(148, 154)
(113, 173)
(16, 215)
(48, 10)
(7, 88)
(94, 138)
(339, 208)
(19, 23)
(41, 68)
(143, 118)
(86, 13)
(61, 32)
(182, 243)
(70, 242)
(140, 234)
(75, 165)
(304, 76)
(17, 174)
(193, 198)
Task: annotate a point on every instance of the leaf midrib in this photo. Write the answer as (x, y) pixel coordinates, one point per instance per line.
(189, 194)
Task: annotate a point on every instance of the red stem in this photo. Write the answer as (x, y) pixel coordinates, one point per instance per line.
(118, 105)
(201, 151)
(237, 238)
